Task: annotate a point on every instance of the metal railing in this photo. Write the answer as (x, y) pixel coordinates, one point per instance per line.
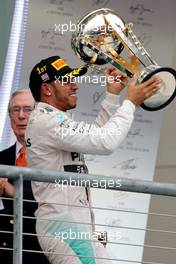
(19, 174)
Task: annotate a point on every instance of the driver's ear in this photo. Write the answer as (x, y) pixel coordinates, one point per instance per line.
(46, 89)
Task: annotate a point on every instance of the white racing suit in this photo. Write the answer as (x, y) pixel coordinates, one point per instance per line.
(55, 142)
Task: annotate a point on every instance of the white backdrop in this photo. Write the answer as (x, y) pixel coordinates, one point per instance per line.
(135, 158)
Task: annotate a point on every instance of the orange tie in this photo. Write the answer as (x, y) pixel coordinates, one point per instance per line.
(21, 160)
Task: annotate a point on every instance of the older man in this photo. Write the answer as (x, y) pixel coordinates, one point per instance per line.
(20, 106)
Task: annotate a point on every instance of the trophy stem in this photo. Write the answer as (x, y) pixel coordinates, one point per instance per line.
(106, 57)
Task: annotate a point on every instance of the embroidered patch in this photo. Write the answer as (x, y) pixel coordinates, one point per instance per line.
(45, 77)
(48, 109)
(58, 64)
(74, 72)
(60, 117)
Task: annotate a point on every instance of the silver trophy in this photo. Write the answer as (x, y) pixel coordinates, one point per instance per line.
(103, 37)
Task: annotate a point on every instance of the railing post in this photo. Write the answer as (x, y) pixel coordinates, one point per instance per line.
(18, 220)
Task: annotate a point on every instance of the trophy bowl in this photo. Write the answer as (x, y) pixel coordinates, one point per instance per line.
(103, 37)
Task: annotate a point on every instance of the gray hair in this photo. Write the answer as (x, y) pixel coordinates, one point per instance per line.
(15, 94)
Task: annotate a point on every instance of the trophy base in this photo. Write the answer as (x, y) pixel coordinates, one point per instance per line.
(167, 91)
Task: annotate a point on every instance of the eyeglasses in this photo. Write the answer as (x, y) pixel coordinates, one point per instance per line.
(17, 109)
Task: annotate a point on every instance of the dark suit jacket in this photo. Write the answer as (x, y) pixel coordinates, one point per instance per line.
(7, 157)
